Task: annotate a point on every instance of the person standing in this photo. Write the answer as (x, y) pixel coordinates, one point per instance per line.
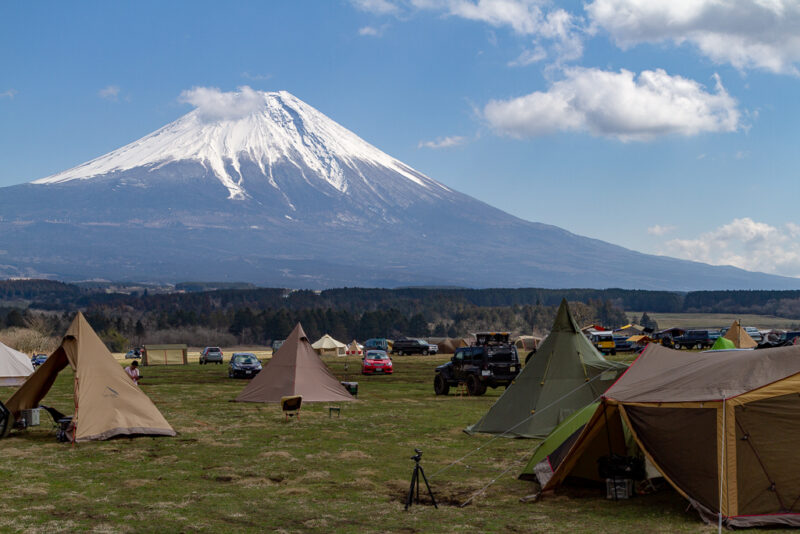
(133, 372)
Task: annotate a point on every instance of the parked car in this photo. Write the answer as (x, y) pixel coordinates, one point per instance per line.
(376, 362)
(243, 365)
(603, 341)
(413, 346)
(493, 361)
(621, 344)
(133, 354)
(701, 339)
(38, 359)
(278, 343)
(377, 343)
(211, 354)
(754, 333)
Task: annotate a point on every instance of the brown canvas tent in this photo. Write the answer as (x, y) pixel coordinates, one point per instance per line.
(741, 339)
(528, 342)
(722, 428)
(295, 369)
(449, 345)
(165, 355)
(107, 402)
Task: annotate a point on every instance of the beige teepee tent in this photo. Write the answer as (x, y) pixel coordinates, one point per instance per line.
(741, 339)
(107, 402)
(295, 369)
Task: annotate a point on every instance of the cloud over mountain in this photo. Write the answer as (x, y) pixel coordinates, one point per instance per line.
(619, 105)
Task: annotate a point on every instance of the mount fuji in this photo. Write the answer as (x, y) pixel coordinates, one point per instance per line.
(267, 189)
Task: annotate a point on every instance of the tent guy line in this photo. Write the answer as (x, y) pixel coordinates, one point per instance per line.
(531, 416)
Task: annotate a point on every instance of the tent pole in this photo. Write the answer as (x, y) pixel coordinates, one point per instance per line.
(721, 468)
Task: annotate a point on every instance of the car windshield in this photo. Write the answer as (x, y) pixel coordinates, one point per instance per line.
(245, 358)
(376, 355)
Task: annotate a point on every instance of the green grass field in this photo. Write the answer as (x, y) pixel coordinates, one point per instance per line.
(239, 468)
(716, 320)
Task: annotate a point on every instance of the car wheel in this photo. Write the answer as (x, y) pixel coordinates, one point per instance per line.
(677, 346)
(440, 385)
(399, 352)
(474, 386)
(424, 352)
(230, 374)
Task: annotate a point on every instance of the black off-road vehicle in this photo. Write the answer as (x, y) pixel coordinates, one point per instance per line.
(490, 362)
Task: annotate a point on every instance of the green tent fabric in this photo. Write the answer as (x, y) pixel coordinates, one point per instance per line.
(548, 455)
(566, 374)
(723, 343)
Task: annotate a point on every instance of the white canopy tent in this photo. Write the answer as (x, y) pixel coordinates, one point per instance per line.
(15, 366)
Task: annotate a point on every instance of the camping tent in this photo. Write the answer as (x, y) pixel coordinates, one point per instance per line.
(552, 451)
(741, 339)
(723, 430)
(629, 330)
(295, 369)
(449, 345)
(107, 402)
(354, 349)
(326, 345)
(640, 340)
(564, 375)
(165, 355)
(15, 366)
(723, 343)
(527, 342)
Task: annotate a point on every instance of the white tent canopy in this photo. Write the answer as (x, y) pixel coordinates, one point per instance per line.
(326, 344)
(15, 366)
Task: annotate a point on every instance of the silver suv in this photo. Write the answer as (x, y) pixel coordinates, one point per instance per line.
(211, 355)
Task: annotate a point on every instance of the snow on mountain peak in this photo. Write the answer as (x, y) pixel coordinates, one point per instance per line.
(263, 127)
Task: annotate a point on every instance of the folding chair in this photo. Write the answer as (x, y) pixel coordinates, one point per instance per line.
(291, 406)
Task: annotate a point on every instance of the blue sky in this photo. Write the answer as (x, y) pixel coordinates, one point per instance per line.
(663, 126)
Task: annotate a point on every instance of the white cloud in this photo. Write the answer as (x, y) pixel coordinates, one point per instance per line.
(9, 93)
(256, 77)
(110, 92)
(562, 30)
(619, 105)
(443, 142)
(528, 57)
(759, 34)
(379, 7)
(214, 104)
(744, 243)
(370, 31)
(660, 230)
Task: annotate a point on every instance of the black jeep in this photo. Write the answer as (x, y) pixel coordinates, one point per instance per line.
(490, 362)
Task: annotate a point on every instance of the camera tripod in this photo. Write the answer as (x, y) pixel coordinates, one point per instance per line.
(415, 481)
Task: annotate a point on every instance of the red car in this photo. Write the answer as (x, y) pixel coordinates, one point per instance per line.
(376, 362)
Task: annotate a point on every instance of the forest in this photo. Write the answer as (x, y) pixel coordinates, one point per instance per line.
(229, 314)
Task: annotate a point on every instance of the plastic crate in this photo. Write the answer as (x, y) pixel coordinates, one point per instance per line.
(619, 488)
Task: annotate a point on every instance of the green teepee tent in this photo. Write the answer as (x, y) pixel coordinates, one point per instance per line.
(566, 374)
(548, 455)
(723, 343)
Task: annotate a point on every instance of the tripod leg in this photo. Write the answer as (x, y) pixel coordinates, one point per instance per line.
(427, 486)
(411, 489)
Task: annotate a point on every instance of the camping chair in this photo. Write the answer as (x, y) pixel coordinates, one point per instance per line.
(291, 406)
(61, 423)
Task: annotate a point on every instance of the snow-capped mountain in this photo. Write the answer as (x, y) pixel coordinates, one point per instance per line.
(267, 189)
(280, 130)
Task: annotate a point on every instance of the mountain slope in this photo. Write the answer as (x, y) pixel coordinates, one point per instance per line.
(276, 193)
